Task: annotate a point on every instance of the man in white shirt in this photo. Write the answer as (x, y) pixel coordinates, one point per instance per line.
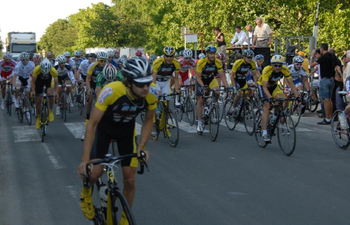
(240, 36)
(250, 33)
(262, 34)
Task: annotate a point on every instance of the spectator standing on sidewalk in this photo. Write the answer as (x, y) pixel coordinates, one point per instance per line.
(220, 40)
(262, 34)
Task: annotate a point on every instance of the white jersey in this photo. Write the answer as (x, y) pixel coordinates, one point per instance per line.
(72, 63)
(24, 71)
(297, 74)
(77, 62)
(84, 65)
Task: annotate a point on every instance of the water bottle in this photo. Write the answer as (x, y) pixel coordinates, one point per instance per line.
(103, 195)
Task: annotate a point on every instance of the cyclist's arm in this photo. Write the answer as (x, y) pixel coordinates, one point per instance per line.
(77, 75)
(199, 78)
(146, 130)
(55, 81)
(232, 77)
(266, 90)
(306, 83)
(176, 80)
(33, 84)
(154, 75)
(98, 89)
(14, 80)
(88, 78)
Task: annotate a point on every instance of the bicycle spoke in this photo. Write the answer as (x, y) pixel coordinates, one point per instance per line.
(286, 134)
(214, 122)
(171, 128)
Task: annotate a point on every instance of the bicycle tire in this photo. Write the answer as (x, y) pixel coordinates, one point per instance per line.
(229, 120)
(179, 111)
(258, 130)
(249, 118)
(28, 109)
(9, 103)
(314, 107)
(168, 127)
(340, 136)
(64, 106)
(44, 121)
(214, 122)
(190, 111)
(286, 128)
(221, 104)
(19, 111)
(121, 205)
(295, 112)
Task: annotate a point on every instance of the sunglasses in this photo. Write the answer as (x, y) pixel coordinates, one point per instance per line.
(67, 57)
(102, 60)
(168, 56)
(277, 66)
(141, 85)
(297, 64)
(25, 60)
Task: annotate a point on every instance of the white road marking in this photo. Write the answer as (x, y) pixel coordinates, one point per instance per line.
(74, 192)
(55, 161)
(77, 129)
(185, 126)
(25, 133)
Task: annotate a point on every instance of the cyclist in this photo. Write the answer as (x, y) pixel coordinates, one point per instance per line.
(84, 65)
(42, 76)
(259, 64)
(49, 56)
(108, 75)
(22, 73)
(77, 59)
(151, 59)
(110, 55)
(94, 70)
(36, 59)
(6, 68)
(239, 75)
(114, 118)
(269, 88)
(65, 76)
(116, 56)
(70, 61)
(299, 75)
(206, 70)
(163, 69)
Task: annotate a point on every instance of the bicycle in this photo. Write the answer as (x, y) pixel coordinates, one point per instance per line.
(64, 103)
(245, 114)
(165, 120)
(81, 97)
(284, 125)
(222, 98)
(296, 109)
(109, 201)
(44, 114)
(8, 97)
(211, 114)
(24, 106)
(340, 136)
(186, 107)
(313, 103)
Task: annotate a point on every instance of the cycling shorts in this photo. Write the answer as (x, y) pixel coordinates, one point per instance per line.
(274, 90)
(214, 83)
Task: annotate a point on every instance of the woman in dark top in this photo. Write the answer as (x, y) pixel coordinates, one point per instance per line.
(220, 39)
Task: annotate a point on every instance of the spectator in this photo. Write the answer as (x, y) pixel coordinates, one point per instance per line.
(338, 84)
(220, 40)
(250, 33)
(240, 36)
(262, 34)
(327, 63)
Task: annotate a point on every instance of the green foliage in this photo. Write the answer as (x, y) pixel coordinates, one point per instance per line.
(155, 24)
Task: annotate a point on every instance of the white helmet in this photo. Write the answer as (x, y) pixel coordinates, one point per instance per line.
(101, 55)
(187, 53)
(137, 69)
(298, 59)
(61, 59)
(109, 72)
(7, 55)
(110, 53)
(66, 54)
(23, 55)
(45, 66)
(77, 53)
(201, 56)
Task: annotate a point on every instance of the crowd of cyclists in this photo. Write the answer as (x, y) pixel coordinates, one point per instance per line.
(122, 87)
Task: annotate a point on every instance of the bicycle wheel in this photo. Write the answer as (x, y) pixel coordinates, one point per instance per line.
(171, 128)
(259, 130)
(100, 203)
(44, 121)
(190, 111)
(295, 111)
(27, 112)
(340, 136)
(214, 122)
(64, 107)
(286, 134)
(221, 104)
(9, 104)
(229, 119)
(19, 111)
(121, 209)
(255, 102)
(249, 118)
(179, 111)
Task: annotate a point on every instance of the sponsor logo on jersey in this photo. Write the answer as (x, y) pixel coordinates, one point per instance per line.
(104, 94)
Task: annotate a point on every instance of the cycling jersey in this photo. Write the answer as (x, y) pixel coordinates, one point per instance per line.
(6, 69)
(184, 67)
(164, 70)
(84, 65)
(259, 68)
(24, 71)
(241, 69)
(77, 62)
(208, 69)
(65, 73)
(43, 80)
(271, 77)
(94, 70)
(297, 74)
(72, 64)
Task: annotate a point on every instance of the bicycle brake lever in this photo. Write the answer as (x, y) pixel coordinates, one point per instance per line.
(143, 163)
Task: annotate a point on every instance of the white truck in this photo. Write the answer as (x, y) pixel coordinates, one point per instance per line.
(17, 42)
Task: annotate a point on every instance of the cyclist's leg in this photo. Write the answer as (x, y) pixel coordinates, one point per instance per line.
(214, 84)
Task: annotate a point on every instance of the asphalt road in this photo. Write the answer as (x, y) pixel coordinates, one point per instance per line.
(230, 181)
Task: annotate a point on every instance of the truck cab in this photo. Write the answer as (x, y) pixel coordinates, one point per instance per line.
(17, 42)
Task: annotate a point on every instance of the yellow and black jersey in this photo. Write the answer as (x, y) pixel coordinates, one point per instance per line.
(94, 70)
(208, 69)
(119, 105)
(240, 69)
(37, 73)
(165, 71)
(271, 77)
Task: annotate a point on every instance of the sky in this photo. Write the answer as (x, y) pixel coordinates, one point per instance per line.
(29, 16)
